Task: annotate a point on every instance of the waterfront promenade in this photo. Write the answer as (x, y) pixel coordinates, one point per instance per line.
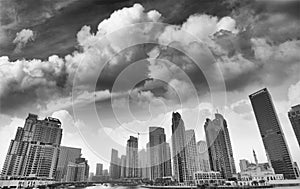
(54, 184)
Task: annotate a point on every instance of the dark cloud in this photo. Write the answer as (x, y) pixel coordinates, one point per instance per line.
(275, 20)
(16, 15)
(57, 23)
(138, 57)
(247, 54)
(290, 7)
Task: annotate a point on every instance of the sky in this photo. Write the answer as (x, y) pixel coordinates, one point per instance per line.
(109, 69)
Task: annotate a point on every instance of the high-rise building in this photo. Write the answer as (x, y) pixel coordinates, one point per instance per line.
(87, 167)
(35, 149)
(143, 164)
(132, 158)
(99, 169)
(203, 158)
(148, 159)
(168, 164)
(158, 153)
(219, 146)
(91, 177)
(272, 134)
(114, 164)
(178, 149)
(78, 171)
(191, 151)
(244, 164)
(294, 115)
(123, 167)
(66, 155)
(105, 172)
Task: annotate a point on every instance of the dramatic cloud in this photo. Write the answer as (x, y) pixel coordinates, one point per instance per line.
(242, 59)
(22, 38)
(103, 47)
(201, 49)
(245, 45)
(200, 26)
(22, 74)
(274, 20)
(294, 93)
(15, 15)
(277, 61)
(53, 78)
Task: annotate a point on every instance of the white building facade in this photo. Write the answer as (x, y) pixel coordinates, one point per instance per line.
(208, 178)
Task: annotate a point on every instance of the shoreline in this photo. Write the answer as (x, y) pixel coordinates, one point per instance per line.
(223, 187)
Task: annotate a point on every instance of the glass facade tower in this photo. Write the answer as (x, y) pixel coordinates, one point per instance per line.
(271, 133)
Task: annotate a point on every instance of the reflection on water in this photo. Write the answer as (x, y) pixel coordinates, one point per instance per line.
(114, 187)
(137, 187)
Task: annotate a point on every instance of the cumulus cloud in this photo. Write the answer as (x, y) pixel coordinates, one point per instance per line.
(21, 75)
(54, 78)
(277, 61)
(243, 109)
(127, 16)
(294, 93)
(199, 27)
(196, 51)
(242, 59)
(22, 38)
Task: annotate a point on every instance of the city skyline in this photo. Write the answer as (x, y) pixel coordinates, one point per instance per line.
(186, 159)
(109, 70)
(144, 148)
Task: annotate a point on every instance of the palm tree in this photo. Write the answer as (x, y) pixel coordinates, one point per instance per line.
(255, 183)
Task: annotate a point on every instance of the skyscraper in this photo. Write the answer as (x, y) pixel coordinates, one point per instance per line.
(35, 149)
(105, 172)
(132, 158)
(219, 146)
(294, 115)
(191, 150)
(148, 159)
(203, 158)
(143, 164)
(158, 153)
(178, 149)
(114, 164)
(271, 133)
(99, 169)
(168, 164)
(66, 155)
(123, 167)
(78, 171)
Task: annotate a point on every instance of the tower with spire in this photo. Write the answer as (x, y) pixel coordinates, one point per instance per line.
(255, 158)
